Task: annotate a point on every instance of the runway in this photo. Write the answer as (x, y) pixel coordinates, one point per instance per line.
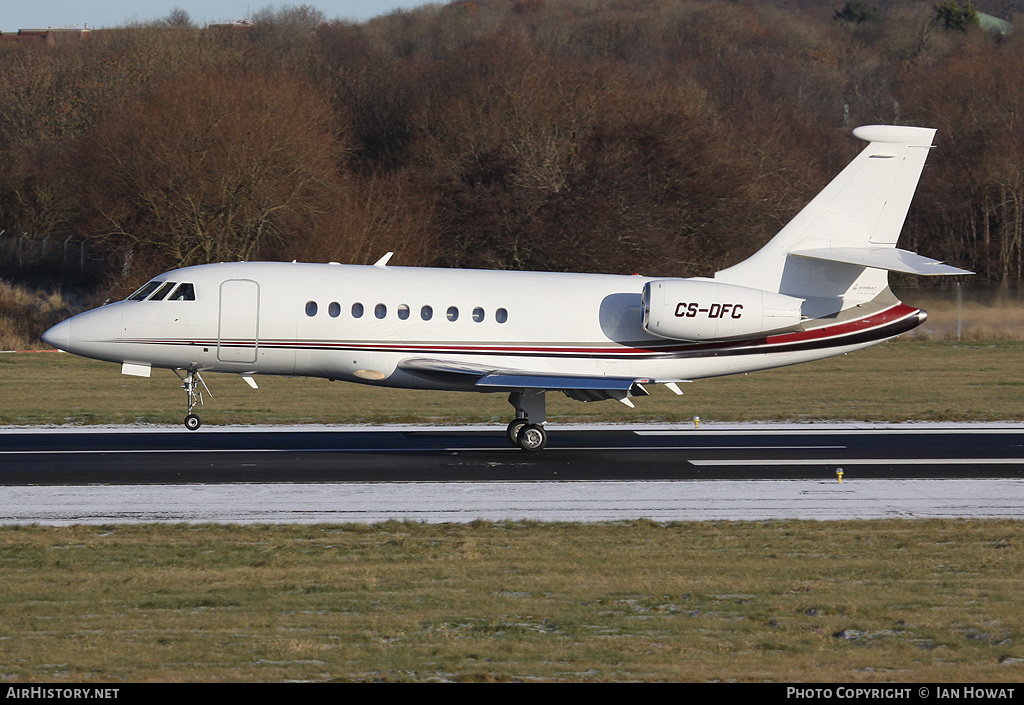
(661, 473)
(582, 501)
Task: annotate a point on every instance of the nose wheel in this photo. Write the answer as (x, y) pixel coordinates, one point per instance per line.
(190, 382)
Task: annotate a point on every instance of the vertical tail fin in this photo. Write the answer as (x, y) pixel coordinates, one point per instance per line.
(839, 248)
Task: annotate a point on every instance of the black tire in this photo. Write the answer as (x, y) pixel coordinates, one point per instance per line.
(512, 432)
(192, 422)
(532, 437)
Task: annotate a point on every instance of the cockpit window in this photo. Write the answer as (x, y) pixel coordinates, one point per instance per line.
(162, 291)
(145, 291)
(185, 292)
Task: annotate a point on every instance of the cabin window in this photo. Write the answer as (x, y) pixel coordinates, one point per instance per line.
(380, 310)
(403, 311)
(426, 313)
(501, 315)
(453, 313)
(357, 310)
(185, 292)
(478, 314)
(311, 308)
(145, 291)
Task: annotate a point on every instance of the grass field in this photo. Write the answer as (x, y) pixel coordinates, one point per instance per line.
(904, 601)
(898, 381)
(859, 601)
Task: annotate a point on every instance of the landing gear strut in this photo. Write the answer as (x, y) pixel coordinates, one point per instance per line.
(190, 381)
(527, 429)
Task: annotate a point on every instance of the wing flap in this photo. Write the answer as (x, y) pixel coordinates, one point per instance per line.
(578, 387)
(531, 380)
(581, 387)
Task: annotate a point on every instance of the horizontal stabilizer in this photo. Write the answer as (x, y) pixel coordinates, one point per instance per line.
(888, 258)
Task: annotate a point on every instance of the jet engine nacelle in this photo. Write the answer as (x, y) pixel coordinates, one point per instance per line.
(703, 309)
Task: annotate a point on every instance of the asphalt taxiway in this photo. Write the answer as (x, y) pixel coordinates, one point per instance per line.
(663, 473)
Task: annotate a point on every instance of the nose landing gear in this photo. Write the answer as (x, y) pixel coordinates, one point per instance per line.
(190, 381)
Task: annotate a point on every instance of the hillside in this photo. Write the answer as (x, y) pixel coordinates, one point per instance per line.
(668, 137)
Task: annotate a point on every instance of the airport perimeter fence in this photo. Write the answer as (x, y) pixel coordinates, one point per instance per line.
(50, 256)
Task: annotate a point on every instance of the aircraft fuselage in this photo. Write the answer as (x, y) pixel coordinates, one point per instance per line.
(358, 323)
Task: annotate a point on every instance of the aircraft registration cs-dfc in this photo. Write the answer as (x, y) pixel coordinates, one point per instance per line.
(818, 288)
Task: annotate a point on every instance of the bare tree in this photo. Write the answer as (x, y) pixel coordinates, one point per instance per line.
(216, 167)
(178, 19)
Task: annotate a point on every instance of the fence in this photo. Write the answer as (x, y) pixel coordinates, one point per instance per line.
(21, 252)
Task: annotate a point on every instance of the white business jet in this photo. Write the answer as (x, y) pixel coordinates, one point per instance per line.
(818, 288)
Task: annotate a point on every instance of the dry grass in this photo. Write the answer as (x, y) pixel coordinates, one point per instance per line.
(26, 313)
(906, 601)
(973, 313)
(899, 381)
(926, 375)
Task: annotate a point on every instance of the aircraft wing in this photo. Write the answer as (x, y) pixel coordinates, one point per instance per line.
(580, 387)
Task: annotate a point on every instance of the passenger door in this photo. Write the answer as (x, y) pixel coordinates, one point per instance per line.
(238, 327)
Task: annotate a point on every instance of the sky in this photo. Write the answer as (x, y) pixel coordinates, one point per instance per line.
(35, 14)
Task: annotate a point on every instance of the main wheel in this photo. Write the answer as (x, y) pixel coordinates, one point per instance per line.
(512, 432)
(192, 422)
(532, 437)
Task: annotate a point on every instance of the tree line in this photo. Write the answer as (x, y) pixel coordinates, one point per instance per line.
(665, 137)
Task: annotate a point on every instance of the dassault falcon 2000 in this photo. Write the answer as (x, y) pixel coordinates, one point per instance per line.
(818, 288)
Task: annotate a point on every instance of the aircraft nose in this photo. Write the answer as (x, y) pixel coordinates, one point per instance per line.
(59, 336)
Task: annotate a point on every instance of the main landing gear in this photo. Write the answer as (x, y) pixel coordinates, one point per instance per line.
(190, 381)
(527, 429)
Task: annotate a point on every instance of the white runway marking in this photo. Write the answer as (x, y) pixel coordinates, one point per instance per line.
(439, 502)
